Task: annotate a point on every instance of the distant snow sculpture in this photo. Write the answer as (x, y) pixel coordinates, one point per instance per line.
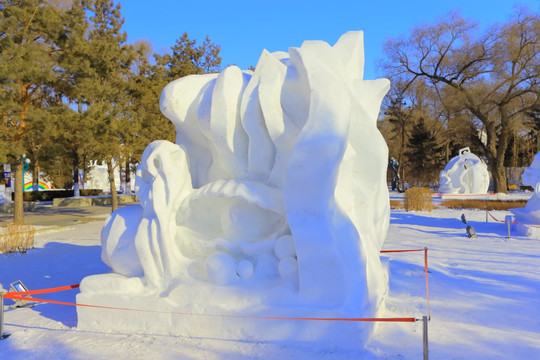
(464, 174)
(530, 214)
(273, 202)
(3, 197)
(98, 178)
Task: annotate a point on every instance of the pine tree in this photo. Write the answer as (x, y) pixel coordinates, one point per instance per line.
(110, 59)
(423, 154)
(400, 117)
(146, 122)
(75, 128)
(187, 58)
(30, 33)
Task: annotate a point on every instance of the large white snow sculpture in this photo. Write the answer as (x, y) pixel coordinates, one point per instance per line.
(273, 202)
(530, 214)
(464, 174)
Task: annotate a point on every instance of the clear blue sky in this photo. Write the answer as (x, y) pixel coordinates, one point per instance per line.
(244, 28)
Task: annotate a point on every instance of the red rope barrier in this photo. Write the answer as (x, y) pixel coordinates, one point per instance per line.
(513, 222)
(493, 217)
(425, 270)
(405, 319)
(43, 291)
(398, 251)
(16, 295)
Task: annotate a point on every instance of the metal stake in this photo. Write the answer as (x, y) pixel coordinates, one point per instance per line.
(2, 316)
(508, 220)
(2, 335)
(425, 333)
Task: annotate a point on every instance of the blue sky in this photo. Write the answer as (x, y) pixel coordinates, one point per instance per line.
(244, 28)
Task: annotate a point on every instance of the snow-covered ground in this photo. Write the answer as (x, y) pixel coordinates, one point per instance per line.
(484, 297)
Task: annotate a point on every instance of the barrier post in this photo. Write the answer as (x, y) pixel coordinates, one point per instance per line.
(425, 335)
(508, 220)
(2, 316)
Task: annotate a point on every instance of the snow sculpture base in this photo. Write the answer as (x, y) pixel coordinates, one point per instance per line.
(171, 314)
(272, 202)
(527, 230)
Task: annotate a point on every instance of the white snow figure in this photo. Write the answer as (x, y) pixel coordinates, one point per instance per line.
(464, 174)
(273, 203)
(530, 214)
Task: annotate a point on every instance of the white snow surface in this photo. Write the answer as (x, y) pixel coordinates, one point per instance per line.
(483, 294)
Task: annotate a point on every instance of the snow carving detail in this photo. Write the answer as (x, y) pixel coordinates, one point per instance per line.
(275, 191)
(464, 174)
(530, 214)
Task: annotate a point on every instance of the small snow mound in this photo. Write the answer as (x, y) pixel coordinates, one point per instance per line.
(285, 247)
(221, 268)
(288, 266)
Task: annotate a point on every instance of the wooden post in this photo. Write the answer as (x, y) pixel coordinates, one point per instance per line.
(425, 333)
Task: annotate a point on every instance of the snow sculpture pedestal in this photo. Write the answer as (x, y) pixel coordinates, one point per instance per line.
(529, 216)
(465, 174)
(272, 203)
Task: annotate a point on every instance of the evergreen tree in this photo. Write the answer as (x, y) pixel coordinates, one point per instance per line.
(187, 58)
(110, 59)
(146, 122)
(30, 34)
(400, 118)
(423, 154)
(75, 137)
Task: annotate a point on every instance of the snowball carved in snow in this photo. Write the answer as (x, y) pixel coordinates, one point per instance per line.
(464, 174)
(530, 214)
(276, 184)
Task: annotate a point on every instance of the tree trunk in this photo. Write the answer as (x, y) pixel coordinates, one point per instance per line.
(76, 189)
(515, 149)
(496, 166)
(495, 152)
(402, 178)
(86, 169)
(75, 170)
(18, 206)
(128, 179)
(499, 179)
(114, 195)
(35, 175)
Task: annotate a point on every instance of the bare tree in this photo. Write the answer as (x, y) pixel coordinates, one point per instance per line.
(494, 77)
